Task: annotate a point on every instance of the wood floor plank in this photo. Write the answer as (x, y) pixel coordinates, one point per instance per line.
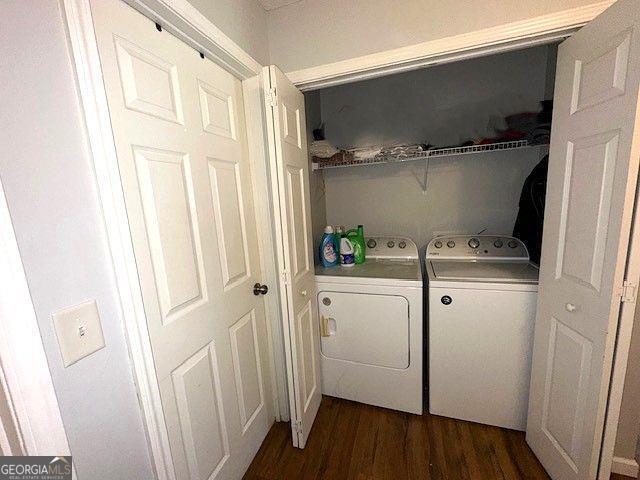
(365, 444)
(339, 445)
(483, 445)
(528, 464)
(439, 448)
(353, 441)
(456, 463)
(507, 464)
(418, 448)
(391, 438)
(473, 457)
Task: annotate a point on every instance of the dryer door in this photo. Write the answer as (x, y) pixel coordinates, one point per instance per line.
(365, 328)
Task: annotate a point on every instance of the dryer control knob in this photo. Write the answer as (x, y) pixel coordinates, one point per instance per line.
(512, 244)
(451, 244)
(498, 243)
(402, 244)
(391, 244)
(474, 243)
(438, 244)
(371, 243)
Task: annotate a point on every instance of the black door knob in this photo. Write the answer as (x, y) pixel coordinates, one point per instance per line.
(260, 289)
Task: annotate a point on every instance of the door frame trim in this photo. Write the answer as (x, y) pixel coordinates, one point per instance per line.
(488, 41)
(182, 20)
(25, 377)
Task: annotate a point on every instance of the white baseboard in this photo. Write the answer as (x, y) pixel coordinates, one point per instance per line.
(625, 466)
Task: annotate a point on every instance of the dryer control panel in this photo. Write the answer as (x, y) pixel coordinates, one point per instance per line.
(485, 247)
(395, 248)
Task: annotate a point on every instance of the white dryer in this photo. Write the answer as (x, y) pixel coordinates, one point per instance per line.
(371, 325)
(482, 293)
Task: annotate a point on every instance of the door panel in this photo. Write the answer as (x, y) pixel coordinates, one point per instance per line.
(593, 169)
(168, 207)
(247, 368)
(308, 354)
(602, 76)
(586, 203)
(149, 83)
(180, 136)
(229, 216)
(568, 363)
(201, 413)
(298, 219)
(216, 107)
(290, 169)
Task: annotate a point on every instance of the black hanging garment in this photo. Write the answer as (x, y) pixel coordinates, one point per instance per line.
(528, 227)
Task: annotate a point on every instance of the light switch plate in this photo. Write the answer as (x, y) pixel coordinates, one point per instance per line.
(79, 331)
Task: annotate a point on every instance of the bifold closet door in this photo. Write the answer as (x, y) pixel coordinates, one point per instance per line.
(290, 172)
(593, 170)
(180, 135)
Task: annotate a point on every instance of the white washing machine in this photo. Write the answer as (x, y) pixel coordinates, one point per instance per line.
(482, 293)
(371, 324)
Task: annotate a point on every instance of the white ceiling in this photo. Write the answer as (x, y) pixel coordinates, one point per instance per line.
(273, 4)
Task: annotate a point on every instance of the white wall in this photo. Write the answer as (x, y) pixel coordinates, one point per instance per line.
(51, 191)
(315, 32)
(243, 21)
(440, 105)
(463, 195)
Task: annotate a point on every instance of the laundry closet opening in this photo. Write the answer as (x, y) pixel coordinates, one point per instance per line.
(480, 104)
(445, 168)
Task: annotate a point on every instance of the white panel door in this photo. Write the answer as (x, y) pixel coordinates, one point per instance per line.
(290, 169)
(180, 136)
(593, 168)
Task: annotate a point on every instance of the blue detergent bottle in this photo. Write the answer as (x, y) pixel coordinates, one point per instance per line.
(329, 248)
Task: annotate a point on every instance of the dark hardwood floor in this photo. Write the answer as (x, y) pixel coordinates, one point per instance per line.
(355, 441)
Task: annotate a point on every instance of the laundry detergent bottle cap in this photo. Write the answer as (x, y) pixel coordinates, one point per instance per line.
(329, 256)
(356, 236)
(346, 252)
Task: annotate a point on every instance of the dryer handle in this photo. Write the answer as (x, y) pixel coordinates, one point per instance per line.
(328, 326)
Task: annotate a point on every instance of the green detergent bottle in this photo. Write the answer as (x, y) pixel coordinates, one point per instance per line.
(356, 237)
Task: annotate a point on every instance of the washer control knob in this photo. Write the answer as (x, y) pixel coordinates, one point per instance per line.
(371, 243)
(438, 244)
(498, 243)
(391, 244)
(512, 244)
(451, 244)
(474, 243)
(402, 244)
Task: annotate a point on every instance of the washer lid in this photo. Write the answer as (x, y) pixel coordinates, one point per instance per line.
(487, 271)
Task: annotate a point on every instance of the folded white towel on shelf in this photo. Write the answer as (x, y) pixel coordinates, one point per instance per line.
(366, 152)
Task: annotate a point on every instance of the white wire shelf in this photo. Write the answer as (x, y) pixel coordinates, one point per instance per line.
(348, 160)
